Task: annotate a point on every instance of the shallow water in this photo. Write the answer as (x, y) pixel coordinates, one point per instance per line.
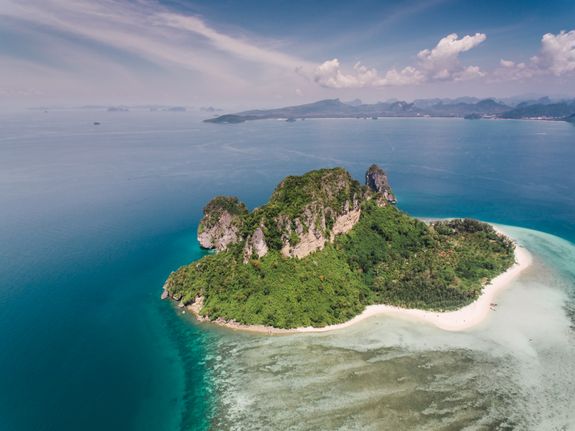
(514, 371)
(93, 219)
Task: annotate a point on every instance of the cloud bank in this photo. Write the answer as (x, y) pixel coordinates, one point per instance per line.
(556, 57)
(440, 63)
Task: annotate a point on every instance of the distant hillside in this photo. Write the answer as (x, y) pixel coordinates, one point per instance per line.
(553, 111)
(461, 109)
(464, 107)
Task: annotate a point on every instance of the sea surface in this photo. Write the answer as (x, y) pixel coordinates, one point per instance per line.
(94, 218)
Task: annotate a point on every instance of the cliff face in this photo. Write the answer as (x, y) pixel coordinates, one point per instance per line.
(316, 207)
(255, 245)
(376, 180)
(303, 214)
(222, 222)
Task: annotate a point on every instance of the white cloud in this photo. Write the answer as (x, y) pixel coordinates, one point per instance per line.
(329, 74)
(511, 71)
(438, 64)
(467, 73)
(556, 57)
(557, 53)
(407, 76)
(442, 62)
(506, 63)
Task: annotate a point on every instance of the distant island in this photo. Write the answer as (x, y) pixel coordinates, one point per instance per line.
(469, 108)
(323, 248)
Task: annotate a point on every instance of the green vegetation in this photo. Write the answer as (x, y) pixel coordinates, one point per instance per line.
(325, 188)
(330, 187)
(318, 290)
(388, 257)
(220, 204)
(410, 264)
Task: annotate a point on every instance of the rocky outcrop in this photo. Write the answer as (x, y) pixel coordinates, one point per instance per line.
(304, 235)
(317, 226)
(345, 222)
(303, 215)
(222, 223)
(376, 180)
(255, 245)
(319, 206)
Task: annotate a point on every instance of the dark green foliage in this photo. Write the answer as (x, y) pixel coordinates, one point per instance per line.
(318, 290)
(328, 187)
(452, 272)
(382, 234)
(439, 267)
(388, 257)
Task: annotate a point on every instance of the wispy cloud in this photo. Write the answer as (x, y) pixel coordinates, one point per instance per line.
(143, 48)
(153, 33)
(148, 30)
(233, 45)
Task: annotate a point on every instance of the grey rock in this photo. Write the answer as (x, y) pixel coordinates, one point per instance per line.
(376, 180)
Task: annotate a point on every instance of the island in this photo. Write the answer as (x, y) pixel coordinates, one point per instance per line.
(325, 247)
(472, 117)
(466, 107)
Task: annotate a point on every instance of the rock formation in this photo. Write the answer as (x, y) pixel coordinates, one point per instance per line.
(255, 245)
(303, 214)
(376, 180)
(222, 222)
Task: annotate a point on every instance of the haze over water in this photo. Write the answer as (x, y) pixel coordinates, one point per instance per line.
(94, 218)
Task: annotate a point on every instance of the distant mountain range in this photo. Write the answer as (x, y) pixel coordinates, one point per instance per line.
(543, 111)
(465, 107)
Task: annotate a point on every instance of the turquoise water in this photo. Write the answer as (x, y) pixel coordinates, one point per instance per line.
(94, 218)
(512, 372)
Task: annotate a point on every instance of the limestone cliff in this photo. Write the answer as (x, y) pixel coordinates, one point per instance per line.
(303, 214)
(376, 180)
(315, 207)
(222, 222)
(255, 245)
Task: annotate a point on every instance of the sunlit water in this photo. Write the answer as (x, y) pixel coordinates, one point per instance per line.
(93, 218)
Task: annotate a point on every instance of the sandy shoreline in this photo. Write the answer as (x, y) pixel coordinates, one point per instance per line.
(457, 320)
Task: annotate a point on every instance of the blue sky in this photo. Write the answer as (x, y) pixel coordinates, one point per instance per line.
(254, 53)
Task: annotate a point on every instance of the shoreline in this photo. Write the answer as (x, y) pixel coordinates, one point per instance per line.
(457, 320)
(422, 117)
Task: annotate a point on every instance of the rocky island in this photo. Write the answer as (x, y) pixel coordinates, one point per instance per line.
(324, 247)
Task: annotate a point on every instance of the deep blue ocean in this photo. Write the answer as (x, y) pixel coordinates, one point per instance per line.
(94, 218)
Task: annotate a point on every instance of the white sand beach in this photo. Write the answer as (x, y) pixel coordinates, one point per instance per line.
(457, 320)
